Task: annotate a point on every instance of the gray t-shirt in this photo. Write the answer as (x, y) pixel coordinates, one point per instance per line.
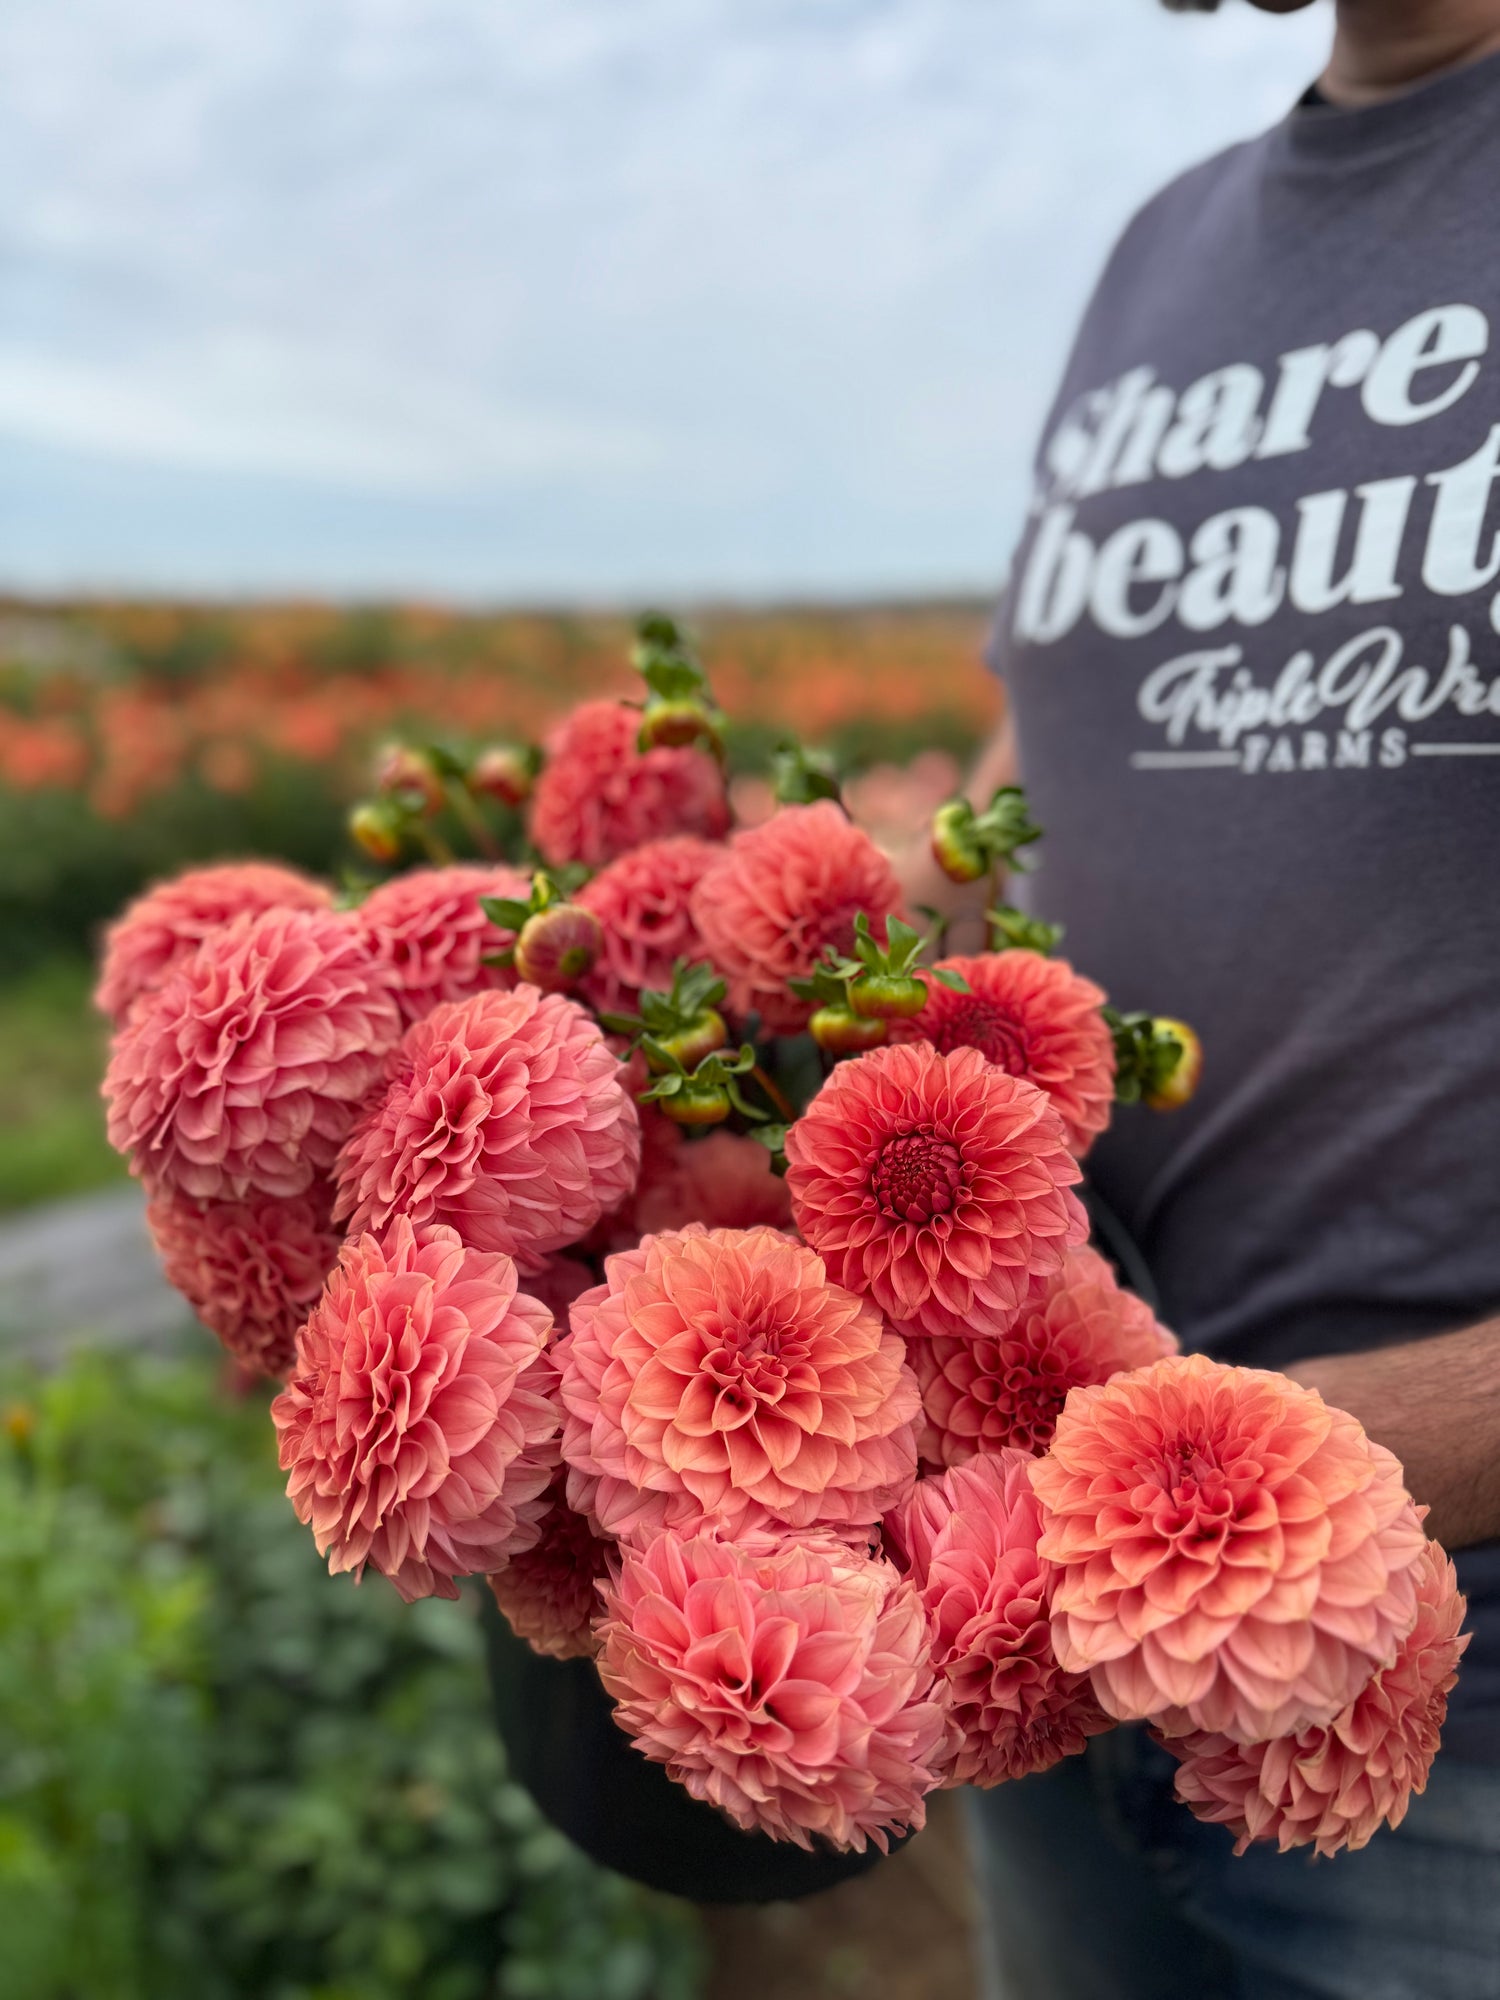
(1251, 644)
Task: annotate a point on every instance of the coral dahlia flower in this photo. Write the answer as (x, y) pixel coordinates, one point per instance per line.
(1033, 1017)
(252, 1270)
(718, 1373)
(1236, 1556)
(242, 1073)
(936, 1185)
(427, 926)
(549, 1592)
(599, 795)
(968, 1541)
(781, 894)
(1333, 1787)
(643, 903)
(164, 926)
(503, 1116)
(1009, 1389)
(723, 1180)
(419, 1429)
(784, 1679)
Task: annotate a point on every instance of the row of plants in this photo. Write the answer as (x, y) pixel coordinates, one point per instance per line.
(220, 1777)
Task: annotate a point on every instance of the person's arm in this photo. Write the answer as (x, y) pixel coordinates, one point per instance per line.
(963, 904)
(1435, 1404)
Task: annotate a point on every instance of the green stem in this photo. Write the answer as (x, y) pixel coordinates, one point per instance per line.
(462, 801)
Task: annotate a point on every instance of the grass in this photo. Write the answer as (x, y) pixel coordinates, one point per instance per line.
(52, 1048)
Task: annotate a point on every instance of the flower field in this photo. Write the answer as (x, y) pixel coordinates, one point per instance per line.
(136, 737)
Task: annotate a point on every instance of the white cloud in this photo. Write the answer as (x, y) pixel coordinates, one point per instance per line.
(721, 263)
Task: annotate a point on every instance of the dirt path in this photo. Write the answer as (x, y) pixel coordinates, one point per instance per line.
(83, 1272)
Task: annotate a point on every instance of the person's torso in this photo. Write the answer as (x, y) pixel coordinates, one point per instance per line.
(1252, 642)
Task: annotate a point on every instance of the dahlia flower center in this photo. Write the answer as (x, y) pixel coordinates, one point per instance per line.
(750, 1363)
(972, 1021)
(1198, 1500)
(834, 929)
(917, 1175)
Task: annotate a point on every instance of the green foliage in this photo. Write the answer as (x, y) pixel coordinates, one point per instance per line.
(51, 1059)
(224, 1774)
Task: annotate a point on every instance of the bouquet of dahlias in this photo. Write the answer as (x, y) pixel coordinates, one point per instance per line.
(647, 1216)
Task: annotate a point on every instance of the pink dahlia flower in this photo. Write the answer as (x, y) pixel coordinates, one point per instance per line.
(968, 1540)
(549, 1593)
(936, 1185)
(723, 1180)
(1033, 1017)
(643, 902)
(170, 921)
(598, 795)
(1333, 1787)
(420, 1427)
(717, 1373)
(782, 893)
(252, 1270)
(1009, 1389)
(503, 1116)
(784, 1679)
(1235, 1555)
(427, 926)
(242, 1073)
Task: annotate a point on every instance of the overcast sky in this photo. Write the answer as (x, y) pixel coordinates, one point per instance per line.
(566, 298)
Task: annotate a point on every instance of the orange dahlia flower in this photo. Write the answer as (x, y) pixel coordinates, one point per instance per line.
(427, 926)
(1333, 1787)
(643, 903)
(784, 1679)
(717, 1373)
(503, 1116)
(781, 894)
(167, 924)
(599, 795)
(242, 1073)
(936, 1185)
(549, 1593)
(419, 1430)
(981, 1395)
(252, 1270)
(1033, 1017)
(968, 1541)
(1236, 1556)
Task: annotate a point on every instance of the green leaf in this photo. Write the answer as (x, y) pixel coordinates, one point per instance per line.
(505, 911)
(954, 981)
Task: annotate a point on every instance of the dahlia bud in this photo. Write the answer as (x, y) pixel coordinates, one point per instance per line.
(696, 1103)
(954, 847)
(409, 775)
(1176, 1084)
(839, 1031)
(672, 725)
(376, 826)
(887, 996)
(503, 772)
(696, 1038)
(557, 946)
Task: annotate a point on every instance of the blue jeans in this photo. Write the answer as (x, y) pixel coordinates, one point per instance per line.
(1097, 1885)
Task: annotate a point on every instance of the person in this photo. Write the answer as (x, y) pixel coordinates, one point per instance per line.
(1250, 646)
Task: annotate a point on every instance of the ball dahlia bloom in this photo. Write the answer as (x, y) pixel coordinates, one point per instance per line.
(1333, 1787)
(419, 1431)
(427, 926)
(783, 892)
(503, 1116)
(718, 1373)
(549, 1593)
(242, 1073)
(599, 795)
(936, 1185)
(1033, 1017)
(252, 1270)
(167, 924)
(784, 1679)
(968, 1541)
(643, 903)
(1236, 1556)
(723, 1180)
(1009, 1389)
